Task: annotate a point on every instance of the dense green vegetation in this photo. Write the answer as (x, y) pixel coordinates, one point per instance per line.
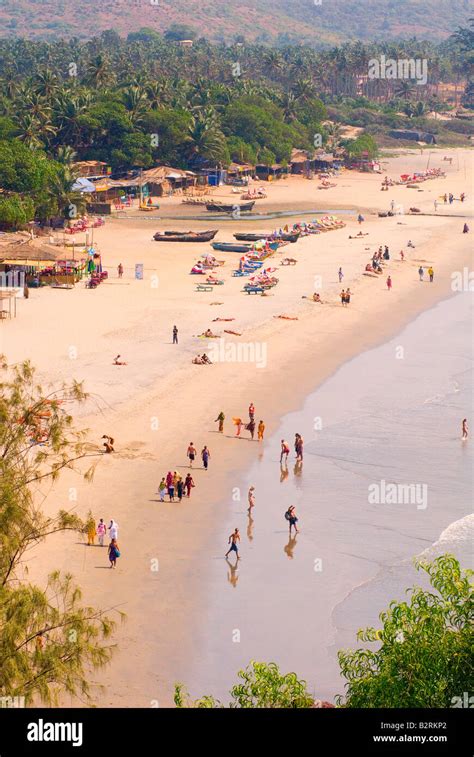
(423, 655)
(145, 101)
(49, 641)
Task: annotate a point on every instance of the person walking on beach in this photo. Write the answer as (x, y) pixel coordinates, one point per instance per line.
(221, 419)
(113, 529)
(290, 516)
(402, 255)
(389, 283)
(238, 423)
(205, 455)
(340, 275)
(114, 552)
(170, 485)
(348, 296)
(360, 218)
(251, 427)
(180, 488)
(299, 448)
(101, 531)
(465, 429)
(451, 198)
(431, 273)
(233, 539)
(465, 229)
(188, 484)
(421, 272)
(251, 499)
(251, 411)
(175, 335)
(285, 451)
(120, 270)
(162, 489)
(191, 453)
(343, 298)
(260, 431)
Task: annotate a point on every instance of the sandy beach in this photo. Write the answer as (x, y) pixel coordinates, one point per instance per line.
(156, 404)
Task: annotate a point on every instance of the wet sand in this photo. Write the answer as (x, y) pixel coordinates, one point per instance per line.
(298, 600)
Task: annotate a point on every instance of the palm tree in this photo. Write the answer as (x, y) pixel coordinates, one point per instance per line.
(288, 104)
(65, 155)
(46, 83)
(99, 73)
(32, 132)
(404, 89)
(205, 139)
(135, 100)
(63, 197)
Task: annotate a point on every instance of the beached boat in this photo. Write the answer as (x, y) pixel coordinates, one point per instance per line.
(231, 247)
(184, 236)
(220, 207)
(285, 237)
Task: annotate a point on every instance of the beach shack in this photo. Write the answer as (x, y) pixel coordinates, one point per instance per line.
(270, 173)
(21, 263)
(300, 162)
(164, 180)
(91, 169)
(239, 173)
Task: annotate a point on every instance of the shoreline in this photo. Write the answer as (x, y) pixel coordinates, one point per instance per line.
(302, 355)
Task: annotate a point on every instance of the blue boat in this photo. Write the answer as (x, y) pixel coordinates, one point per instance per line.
(231, 247)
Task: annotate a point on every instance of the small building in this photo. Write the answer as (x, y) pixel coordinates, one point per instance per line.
(300, 162)
(185, 42)
(239, 173)
(270, 173)
(91, 169)
(416, 136)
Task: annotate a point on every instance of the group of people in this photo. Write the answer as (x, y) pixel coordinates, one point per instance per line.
(175, 486)
(250, 426)
(421, 273)
(100, 531)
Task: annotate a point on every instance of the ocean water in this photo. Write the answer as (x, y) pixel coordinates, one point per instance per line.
(392, 414)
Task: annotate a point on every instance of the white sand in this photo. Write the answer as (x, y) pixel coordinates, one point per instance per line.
(76, 334)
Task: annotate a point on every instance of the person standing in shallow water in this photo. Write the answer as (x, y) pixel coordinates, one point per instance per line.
(465, 429)
(290, 515)
(260, 431)
(234, 538)
(175, 335)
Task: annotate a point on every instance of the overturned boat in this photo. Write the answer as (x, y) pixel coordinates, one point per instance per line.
(285, 237)
(220, 207)
(185, 236)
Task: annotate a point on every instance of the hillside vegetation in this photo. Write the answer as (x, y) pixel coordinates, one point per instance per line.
(268, 21)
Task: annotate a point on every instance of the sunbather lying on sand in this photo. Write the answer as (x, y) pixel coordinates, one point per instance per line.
(235, 333)
(222, 319)
(287, 317)
(208, 334)
(118, 362)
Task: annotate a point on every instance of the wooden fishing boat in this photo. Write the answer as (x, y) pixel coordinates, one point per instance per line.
(185, 236)
(285, 237)
(220, 207)
(231, 247)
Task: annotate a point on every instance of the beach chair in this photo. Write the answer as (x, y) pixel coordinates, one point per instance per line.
(251, 289)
